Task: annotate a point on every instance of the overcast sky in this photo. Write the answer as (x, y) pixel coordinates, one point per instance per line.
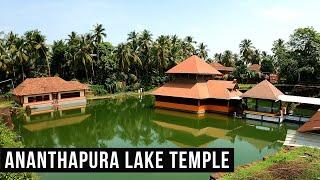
(219, 24)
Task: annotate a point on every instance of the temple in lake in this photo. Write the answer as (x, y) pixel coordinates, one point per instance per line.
(193, 87)
(49, 93)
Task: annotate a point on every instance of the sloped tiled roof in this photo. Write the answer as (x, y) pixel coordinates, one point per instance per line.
(255, 67)
(45, 85)
(263, 90)
(221, 67)
(223, 89)
(312, 125)
(200, 90)
(194, 65)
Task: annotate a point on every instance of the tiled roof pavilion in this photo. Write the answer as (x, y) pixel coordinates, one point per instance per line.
(46, 85)
(194, 65)
(263, 90)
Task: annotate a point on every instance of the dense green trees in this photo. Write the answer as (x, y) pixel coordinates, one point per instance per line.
(142, 61)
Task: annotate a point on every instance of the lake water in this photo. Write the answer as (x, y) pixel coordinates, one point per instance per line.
(133, 122)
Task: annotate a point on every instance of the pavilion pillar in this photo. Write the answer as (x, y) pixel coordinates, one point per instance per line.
(246, 102)
(256, 107)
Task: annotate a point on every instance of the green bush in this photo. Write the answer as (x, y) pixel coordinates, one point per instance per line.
(98, 89)
(8, 139)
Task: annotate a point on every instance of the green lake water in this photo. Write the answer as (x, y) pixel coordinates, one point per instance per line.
(133, 122)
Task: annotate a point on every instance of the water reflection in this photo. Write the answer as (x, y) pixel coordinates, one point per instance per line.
(63, 117)
(193, 131)
(131, 122)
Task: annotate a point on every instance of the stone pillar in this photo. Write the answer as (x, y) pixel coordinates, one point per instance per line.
(25, 99)
(82, 93)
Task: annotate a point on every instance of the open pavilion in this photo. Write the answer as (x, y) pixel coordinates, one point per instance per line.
(193, 88)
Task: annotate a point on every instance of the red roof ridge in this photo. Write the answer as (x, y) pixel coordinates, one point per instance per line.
(194, 65)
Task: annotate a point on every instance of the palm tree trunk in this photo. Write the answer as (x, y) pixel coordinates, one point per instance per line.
(48, 64)
(14, 72)
(92, 71)
(47, 61)
(23, 75)
(85, 68)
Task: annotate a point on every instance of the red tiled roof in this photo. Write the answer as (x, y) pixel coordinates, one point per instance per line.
(221, 67)
(263, 90)
(255, 67)
(217, 89)
(194, 65)
(312, 125)
(45, 85)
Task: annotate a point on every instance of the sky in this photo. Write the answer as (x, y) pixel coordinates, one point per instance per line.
(219, 24)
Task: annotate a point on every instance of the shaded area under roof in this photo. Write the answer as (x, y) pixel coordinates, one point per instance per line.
(194, 65)
(263, 90)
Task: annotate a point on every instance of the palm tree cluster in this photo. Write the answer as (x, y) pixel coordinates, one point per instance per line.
(138, 62)
(142, 61)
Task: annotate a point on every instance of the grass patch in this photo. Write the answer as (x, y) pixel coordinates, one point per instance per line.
(246, 86)
(8, 139)
(296, 163)
(115, 95)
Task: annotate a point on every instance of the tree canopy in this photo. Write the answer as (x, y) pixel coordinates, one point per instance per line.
(143, 59)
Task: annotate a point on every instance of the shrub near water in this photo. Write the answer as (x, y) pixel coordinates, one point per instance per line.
(98, 90)
(8, 140)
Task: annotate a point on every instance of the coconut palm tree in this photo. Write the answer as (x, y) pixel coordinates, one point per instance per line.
(202, 51)
(123, 55)
(176, 54)
(256, 57)
(188, 46)
(37, 49)
(9, 48)
(218, 57)
(84, 54)
(133, 43)
(246, 50)
(98, 33)
(161, 46)
(20, 52)
(227, 58)
(145, 45)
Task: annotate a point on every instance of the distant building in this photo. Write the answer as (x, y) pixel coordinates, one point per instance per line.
(255, 68)
(222, 69)
(273, 78)
(194, 89)
(47, 93)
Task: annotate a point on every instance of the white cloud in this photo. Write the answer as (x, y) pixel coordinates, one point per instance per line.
(282, 14)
